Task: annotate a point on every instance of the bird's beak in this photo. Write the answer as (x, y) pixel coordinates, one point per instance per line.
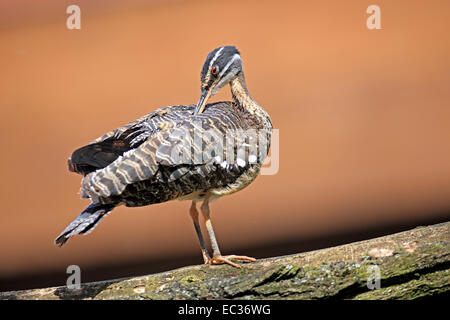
(206, 93)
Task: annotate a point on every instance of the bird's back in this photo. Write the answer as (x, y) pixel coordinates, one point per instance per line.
(104, 150)
(140, 163)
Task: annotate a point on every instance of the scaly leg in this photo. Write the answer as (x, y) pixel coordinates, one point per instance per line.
(194, 215)
(217, 256)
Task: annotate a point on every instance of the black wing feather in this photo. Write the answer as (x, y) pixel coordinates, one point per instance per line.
(106, 149)
(100, 154)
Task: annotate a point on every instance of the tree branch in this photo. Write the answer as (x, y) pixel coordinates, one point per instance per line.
(411, 264)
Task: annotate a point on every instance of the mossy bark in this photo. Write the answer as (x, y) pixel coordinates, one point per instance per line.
(412, 264)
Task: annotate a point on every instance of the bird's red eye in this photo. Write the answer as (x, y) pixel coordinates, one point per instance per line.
(214, 70)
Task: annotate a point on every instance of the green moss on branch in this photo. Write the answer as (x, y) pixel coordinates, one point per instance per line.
(412, 264)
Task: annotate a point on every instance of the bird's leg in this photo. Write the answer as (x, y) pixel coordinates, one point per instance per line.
(217, 256)
(194, 215)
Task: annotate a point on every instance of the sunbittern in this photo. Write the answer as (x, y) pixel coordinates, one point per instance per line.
(187, 152)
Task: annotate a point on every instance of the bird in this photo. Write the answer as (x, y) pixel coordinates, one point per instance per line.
(198, 152)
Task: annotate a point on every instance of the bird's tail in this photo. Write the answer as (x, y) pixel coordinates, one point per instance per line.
(85, 222)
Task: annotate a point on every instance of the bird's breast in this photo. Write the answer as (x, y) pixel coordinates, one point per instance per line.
(245, 179)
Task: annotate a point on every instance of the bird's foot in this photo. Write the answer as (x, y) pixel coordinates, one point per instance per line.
(219, 259)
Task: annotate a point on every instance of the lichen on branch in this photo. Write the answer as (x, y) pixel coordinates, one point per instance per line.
(411, 264)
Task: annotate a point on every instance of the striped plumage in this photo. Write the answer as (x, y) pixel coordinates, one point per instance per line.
(187, 152)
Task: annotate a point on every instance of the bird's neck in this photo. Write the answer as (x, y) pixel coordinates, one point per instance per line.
(245, 101)
(241, 95)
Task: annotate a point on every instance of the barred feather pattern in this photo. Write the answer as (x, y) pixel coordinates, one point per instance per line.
(152, 171)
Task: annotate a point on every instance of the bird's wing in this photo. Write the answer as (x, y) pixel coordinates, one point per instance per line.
(187, 148)
(104, 150)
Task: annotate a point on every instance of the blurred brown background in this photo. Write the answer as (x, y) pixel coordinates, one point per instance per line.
(364, 119)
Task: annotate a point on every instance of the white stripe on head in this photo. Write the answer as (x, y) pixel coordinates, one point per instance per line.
(235, 57)
(215, 57)
(226, 78)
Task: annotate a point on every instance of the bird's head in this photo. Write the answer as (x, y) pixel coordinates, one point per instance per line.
(222, 65)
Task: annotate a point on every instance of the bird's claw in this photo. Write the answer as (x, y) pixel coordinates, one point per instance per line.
(219, 259)
(206, 258)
